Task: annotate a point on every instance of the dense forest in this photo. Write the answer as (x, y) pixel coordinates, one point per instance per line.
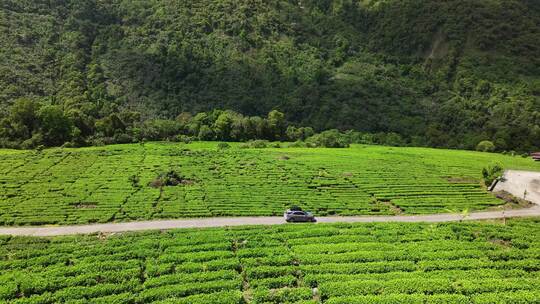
(447, 73)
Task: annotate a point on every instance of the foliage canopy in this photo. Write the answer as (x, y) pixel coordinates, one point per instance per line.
(439, 73)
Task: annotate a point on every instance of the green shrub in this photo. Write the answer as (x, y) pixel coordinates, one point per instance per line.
(35, 141)
(69, 144)
(223, 297)
(170, 179)
(296, 144)
(273, 283)
(284, 295)
(401, 298)
(485, 146)
(188, 289)
(160, 129)
(416, 263)
(8, 291)
(262, 272)
(123, 138)
(492, 172)
(183, 139)
(255, 144)
(134, 180)
(516, 297)
(328, 139)
(223, 146)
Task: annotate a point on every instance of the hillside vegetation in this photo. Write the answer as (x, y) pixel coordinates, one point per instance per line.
(164, 180)
(476, 263)
(440, 73)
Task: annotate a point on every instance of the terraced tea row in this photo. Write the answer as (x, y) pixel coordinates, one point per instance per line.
(337, 263)
(72, 186)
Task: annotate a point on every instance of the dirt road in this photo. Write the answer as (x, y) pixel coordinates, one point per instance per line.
(516, 183)
(522, 184)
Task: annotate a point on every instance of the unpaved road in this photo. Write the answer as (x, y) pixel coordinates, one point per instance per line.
(522, 184)
(516, 183)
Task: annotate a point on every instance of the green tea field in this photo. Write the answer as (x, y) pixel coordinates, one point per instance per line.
(117, 183)
(476, 262)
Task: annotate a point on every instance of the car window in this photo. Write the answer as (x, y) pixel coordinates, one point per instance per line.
(298, 213)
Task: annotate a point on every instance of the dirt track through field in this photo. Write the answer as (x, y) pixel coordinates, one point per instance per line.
(519, 183)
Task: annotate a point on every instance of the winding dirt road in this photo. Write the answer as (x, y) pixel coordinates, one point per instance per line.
(519, 183)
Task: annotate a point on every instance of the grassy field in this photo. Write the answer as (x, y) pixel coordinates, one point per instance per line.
(104, 184)
(492, 262)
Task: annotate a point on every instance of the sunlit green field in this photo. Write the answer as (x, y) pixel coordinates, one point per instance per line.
(497, 262)
(73, 186)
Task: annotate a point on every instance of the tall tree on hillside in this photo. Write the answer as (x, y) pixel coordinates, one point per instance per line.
(55, 125)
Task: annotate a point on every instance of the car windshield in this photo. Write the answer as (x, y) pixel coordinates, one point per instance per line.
(299, 213)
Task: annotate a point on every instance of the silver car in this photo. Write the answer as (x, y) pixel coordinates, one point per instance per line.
(298, 216)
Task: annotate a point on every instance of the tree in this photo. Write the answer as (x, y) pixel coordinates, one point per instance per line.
(308, 64)
(223, 146)
(23, 116)
(306, 132)
(293, 133)
(184, 119)
(161, 129)
(197, 122)
(223, 125)
(110, 125)
(394, 139)
(129, 118)
(5, 128)
(276, 125)
(83, 122)
(206, 133)
(328, 139)
(485, 146)
(259, 126)
(55, 126)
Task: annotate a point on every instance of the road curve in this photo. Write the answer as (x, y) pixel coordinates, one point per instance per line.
(515, 182)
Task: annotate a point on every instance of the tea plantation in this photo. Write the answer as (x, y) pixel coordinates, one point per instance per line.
(475, 262)
(121, 183)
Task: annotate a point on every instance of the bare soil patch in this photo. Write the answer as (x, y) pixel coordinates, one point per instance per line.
(535, 185)
(512, 202)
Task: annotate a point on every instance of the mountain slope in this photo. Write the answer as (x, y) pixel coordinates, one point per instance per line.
(442, 73)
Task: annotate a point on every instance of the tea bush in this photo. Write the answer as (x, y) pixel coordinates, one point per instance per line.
(112, 183)
(473, 262)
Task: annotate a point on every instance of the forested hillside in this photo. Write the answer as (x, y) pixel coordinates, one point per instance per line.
(440, 73)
